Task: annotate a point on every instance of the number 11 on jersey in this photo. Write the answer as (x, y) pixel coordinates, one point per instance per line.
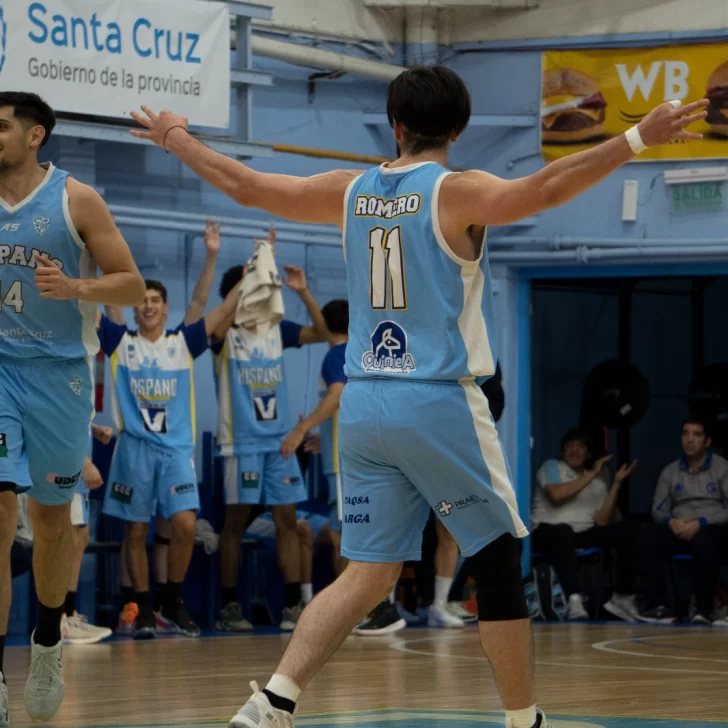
(386, 269)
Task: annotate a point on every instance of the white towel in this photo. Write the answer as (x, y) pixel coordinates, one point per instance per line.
(260, 305)
(205, 534)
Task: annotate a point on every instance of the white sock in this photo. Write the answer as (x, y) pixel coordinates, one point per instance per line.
(442, 589)
(525, 718)
(307, 592)
(284, 687)
(392, 597)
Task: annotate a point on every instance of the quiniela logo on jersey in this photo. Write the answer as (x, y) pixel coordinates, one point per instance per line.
(389, 353)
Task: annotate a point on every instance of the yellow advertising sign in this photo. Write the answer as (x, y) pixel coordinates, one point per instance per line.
(590, 96)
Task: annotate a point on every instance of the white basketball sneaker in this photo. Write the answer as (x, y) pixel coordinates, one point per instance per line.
(541, 721)
(76, 630)
(3, 702)
(439, 616)
(45, 687)
(259, 713)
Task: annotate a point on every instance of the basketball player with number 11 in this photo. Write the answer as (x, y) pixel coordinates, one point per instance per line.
(415, 429)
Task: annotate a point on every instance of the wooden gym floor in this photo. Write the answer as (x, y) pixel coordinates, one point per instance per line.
(609, 675)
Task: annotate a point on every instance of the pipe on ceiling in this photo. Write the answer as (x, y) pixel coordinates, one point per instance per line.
(302, 55)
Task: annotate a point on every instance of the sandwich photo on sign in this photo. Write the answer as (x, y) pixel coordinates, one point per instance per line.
(572, 107)
(717, 93)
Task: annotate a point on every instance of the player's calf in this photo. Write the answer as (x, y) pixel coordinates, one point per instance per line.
(53, 543)
(180, 553)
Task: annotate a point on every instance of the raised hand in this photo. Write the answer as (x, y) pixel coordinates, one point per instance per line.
(665, 123)
(600, 463)
(156, 126)
(212, 237)
(295, 278)
(625, 471)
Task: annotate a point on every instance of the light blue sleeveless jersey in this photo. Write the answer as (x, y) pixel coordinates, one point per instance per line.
(252, 395)
(31, 327)
(417, 311)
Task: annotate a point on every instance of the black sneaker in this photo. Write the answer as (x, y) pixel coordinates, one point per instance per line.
(658, 615)
(384, 619)
(145, 626)
(181, 620)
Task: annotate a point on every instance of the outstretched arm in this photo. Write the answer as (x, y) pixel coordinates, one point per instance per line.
(121, 283)
(220, 319)
(318, 199)
(326, 408)
(198, 302)
(318, 332)
(479, 198)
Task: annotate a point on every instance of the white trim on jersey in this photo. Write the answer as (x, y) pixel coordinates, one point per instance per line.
(347, 196)
(224, 401)
(435, 215)
(69, 221)
(92, 389)
(492, 452)
(29, 198)
(471, 321)
(401, 170)
(339, 498)
(87, 269)
(89, 335)
(472, 326)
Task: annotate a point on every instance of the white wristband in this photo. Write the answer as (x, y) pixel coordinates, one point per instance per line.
(635, 140)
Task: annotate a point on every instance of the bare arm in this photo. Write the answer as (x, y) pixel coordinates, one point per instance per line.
(215, 320)
(603, 517)
(201, 294)
(559, 493)
(317, 199)
(478, 198)
(317, 333)
(121, 283)
(326, 408)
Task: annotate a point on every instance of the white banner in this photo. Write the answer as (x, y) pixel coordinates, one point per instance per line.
(107, 57)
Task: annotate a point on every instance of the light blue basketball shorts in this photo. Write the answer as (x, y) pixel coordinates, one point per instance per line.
(408, 446)
(45, 413)
(264, 478)
(145, 481)
(80, 505)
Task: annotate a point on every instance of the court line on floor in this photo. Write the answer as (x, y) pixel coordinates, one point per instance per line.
(604, 647)
(400, 645)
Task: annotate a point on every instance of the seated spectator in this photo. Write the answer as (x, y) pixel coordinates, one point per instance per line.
(574, 508)
(690, 513)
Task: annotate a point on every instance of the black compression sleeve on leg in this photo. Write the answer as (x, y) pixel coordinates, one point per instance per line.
(161, 540)
(7, 487)
(497, 572)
